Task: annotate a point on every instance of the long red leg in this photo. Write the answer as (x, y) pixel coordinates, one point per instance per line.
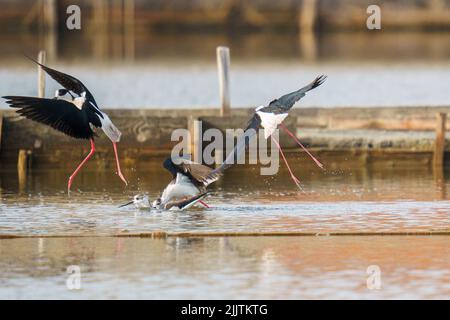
(204, 204)
(69, 184)
(119, 172)
(318, 163)
(294, 178)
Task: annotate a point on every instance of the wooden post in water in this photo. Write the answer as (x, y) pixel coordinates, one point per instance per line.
(223, 66)
(22, 167)
(41, 74)
(195, 144)
(439, 145)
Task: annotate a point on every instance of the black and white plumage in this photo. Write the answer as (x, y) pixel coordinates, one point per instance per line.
(269, 118)
(73, 111)
(73, 117)
(189, 179)
(142, 202)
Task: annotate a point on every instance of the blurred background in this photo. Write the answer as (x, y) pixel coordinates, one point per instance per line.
(161, 53)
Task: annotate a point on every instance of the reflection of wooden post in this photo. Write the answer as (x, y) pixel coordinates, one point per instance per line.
(129, 29)
(307, 16)
(117, 24)
(439, 181)
(436, 5)
(100, 19)
(306, 25)
(51, 23)
(41, 74)
(439, 144)
(223, 66)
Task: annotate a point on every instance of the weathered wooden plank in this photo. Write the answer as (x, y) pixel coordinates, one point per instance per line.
(147, 132)
(386, 118)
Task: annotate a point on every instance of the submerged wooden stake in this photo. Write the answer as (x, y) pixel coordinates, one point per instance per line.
(41, 75)
(22, 168)
(439, 145)
(223, 66)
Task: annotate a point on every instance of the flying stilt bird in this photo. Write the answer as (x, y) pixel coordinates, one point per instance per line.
(269, 118)
(72, 111)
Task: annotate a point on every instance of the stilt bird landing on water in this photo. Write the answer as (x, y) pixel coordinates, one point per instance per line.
(269, 118)
(72, 111)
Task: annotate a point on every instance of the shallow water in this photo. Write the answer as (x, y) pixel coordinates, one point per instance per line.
(227, 268)
(195, 84)
(388, 70)
(346, 199)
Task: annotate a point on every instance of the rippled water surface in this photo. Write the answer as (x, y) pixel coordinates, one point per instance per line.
(227, 268)
(383, 69)
(347, 199)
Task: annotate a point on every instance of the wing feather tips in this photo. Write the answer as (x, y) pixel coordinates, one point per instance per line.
(318, 81)
(211, 177)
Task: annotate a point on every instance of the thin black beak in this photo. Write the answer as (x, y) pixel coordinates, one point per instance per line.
(126, 204)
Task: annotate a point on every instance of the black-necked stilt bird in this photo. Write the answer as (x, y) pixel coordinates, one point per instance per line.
(189, 179)
(72, 111)
(143, 202)
(269, 118)
(187, 187)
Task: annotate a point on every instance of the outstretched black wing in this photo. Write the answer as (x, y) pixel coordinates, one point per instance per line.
(288, 100)
(193, 170)
(281, 105)
(59, 114)
(67, 81)
(241, 145)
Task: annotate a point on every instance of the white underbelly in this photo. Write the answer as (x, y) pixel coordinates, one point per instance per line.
(178, 190)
